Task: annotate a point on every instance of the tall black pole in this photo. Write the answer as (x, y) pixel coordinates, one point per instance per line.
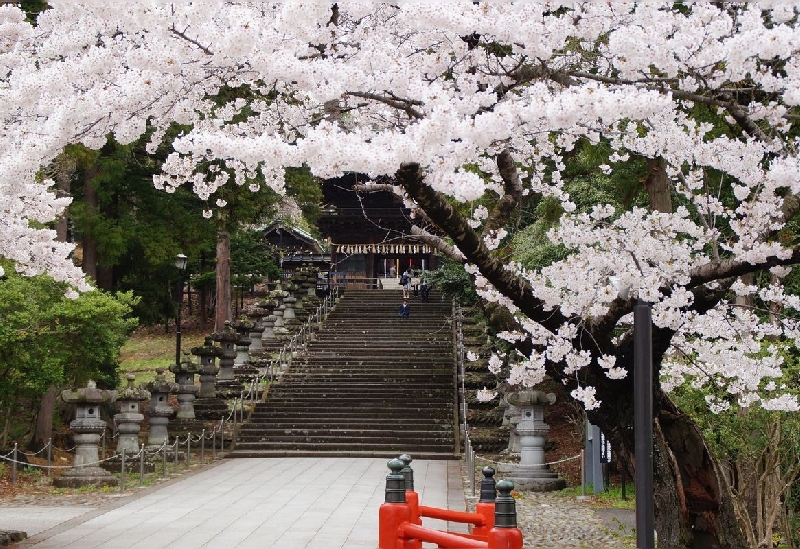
(643, 423)
(178, 321)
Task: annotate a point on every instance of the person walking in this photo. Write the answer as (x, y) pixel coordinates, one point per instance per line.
(405, 309)
(424, 290)
(405, 282)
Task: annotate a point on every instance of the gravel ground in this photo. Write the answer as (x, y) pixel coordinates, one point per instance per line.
(551, 520)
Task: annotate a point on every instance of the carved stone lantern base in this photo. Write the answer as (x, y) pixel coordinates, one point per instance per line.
(84, 476)
(535, 478)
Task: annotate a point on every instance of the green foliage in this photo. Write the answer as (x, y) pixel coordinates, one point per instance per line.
(137, 229)
(453, 281)
(251, 260)
(747, 435)
(47, 339)
(33, 8)
(531, 246)
(307, 192)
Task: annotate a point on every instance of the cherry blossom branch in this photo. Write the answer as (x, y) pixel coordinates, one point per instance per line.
(731, 267)
(436, 242)
(402, 104)
(182, 34)
(442, 213)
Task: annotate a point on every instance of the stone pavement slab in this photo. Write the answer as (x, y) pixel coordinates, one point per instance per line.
(280, 503)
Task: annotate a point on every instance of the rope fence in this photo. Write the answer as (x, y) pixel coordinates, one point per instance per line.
(180, 446)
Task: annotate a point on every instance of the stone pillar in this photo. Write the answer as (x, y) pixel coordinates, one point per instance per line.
(511, 418)
(256, 316)
(268, 335)
(532, 473)
(208, 405)
(227, 342)
(242, 328)
(289, 303)
(208, 353)
(187, 390)
(88, 428)
(159, 409)
(279, 326)
(227, 384)
(130, 417)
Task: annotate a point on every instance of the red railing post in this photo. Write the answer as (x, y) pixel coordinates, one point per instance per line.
(486, 504)
(412, 497)
(394, 511)
(505, 534)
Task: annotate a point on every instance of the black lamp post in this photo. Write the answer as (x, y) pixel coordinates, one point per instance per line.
(643, 423)
(642, 416)
(180, 262)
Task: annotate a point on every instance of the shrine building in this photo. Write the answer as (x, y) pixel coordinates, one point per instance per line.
(369, 234)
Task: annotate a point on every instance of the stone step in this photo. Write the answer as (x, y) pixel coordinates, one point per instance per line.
(366, 384)
(392, 446)
(433, 420)
(331, 435)
(364, 389)
(292, 419)
(379, 454)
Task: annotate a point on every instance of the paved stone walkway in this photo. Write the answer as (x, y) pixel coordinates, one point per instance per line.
(313, 503)
(322, 503)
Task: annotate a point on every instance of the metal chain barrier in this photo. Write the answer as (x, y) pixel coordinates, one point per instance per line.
(125, 458)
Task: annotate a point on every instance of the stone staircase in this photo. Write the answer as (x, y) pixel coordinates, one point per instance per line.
(370, 385)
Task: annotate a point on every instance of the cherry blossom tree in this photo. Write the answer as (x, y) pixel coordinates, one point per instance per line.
(462, 102)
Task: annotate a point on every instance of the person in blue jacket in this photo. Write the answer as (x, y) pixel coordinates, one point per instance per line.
(404, 309)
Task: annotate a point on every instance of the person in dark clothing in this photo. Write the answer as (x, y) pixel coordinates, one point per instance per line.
(404, 310)
(424, 290)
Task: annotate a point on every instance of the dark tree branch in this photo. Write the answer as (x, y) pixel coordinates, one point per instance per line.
(725, 268)
(182, 34)
(513, 191)
(442, 213)
(435, 242)
(405, 105)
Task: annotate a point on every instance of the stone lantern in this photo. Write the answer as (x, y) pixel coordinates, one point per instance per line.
(130, 417)
(159, 410)
(289, 302)
(187, 390)
(227, 384)
(268, 340)
(88, 428)
(279, 326)
(243, 368)
(242, 328)
(532, 473)
(256, 316)
(208, 405)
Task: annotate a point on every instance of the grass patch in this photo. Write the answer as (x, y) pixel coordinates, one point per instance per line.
(143, 353)
(611, 498)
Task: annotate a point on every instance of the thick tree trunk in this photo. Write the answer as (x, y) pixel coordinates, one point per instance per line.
(693, 504)
(89, 243)
(64, 167)
(43, 430)
(222, 311)
(702, 490)
(657, 185)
